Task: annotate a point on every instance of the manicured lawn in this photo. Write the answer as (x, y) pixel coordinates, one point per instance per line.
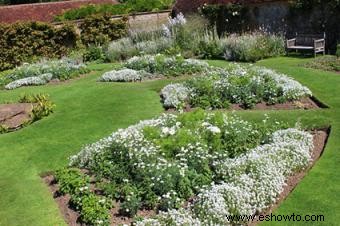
(87, 111)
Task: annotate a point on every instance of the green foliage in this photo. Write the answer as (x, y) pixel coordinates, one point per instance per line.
(23, 41)
(206, 95)
(94, 53)
(95, 210)
(71, 181)
(42, 107)
(209, 50)
(338, 51)
(130, 206)
(129, 6)
(99, 30)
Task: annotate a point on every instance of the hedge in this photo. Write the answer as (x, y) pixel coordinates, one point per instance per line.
(100, 29)
(24, 41)
(27, 41)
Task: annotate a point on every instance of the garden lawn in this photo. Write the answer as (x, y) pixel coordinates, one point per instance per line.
(87, 111)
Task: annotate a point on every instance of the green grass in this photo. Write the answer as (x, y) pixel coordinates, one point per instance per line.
(87, 111)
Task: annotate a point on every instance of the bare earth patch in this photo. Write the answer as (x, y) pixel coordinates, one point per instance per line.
(13, 116)
(71, 216)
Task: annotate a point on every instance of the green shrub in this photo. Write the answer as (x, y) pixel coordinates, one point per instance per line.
(338, 50)
(129, 6)
(94, 53)
(130, 206)
(95, 210)
(71, 181)
(25, 41)
(99, 30)
(42, 107)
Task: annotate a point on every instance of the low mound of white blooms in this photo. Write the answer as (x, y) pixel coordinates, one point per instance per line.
(125, 75)
(235, 84)
(30, 81)
(167, 66)
(174, 95)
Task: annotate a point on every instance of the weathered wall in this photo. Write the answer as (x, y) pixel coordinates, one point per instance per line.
(42, 11)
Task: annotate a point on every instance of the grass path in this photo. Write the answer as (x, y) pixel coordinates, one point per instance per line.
(87, 111)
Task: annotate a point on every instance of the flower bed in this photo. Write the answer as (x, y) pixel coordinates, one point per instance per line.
(220, 163)
(42, 72)
(242, 85)
(167, 66)
(150, 67)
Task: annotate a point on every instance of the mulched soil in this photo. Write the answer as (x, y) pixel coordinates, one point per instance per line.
(13, 116)
(71, 216)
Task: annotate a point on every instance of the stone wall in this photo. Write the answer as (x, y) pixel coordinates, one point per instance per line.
(42, 11)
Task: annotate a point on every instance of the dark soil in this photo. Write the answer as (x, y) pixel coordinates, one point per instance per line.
(71, 216)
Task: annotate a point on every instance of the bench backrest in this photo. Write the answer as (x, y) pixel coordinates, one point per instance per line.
(308, 39)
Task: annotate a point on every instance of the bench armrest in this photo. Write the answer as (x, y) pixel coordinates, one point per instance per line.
(319, 43)
(291, 42)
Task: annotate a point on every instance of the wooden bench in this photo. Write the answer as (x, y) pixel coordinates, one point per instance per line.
(314, 43)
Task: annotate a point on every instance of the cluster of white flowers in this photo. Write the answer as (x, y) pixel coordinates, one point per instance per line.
(174, 95)
(252, 182)
(125, 75)
(30, 81)
(291, 88)
(173, 23)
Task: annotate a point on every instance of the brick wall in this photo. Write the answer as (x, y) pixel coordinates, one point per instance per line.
(186, 6)
(42, 11)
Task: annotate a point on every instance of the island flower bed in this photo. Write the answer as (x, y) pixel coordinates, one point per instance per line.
(237, 86)
(150, 67)
(195, 168)
(42, 72)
